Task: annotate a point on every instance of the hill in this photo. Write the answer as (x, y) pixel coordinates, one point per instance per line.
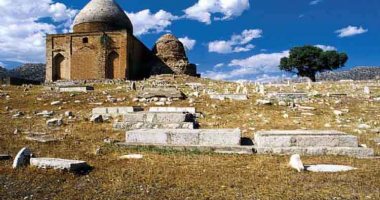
(357, 73)
(28, 71)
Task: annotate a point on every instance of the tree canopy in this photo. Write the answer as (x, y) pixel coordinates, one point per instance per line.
(308, 60)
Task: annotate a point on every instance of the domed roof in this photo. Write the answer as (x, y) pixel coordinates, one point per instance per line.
(169, 46)
(167, 37)
(106, 12)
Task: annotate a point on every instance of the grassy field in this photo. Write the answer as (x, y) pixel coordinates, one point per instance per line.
(185, 175)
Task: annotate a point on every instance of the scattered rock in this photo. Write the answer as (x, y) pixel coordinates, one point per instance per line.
(97, 119)
(55, 103)
(54, 122)
(364, 126)
(41, 138)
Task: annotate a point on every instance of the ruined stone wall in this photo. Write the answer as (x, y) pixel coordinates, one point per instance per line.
(139, 57)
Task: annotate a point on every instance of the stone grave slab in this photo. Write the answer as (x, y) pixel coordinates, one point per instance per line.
(328, 168)
(173, 109)
(59, 164)
(115, 111)
(5, 156)
(169, 92)
(201, 137)
(75, 88)
(309, 142)
(41, 138)
(304, 138)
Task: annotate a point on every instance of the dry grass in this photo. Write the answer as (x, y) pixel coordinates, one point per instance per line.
(184, 175)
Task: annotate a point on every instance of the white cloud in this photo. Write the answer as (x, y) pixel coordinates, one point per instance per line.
(204, 9)
(249, 67)
(219, 65)
(23, 32)
(315, 2)
(237, 43)
(145, 22)
(350, 31)
(326, 47)
(188, 43)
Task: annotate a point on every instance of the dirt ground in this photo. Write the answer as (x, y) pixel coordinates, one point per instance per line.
(187, 175)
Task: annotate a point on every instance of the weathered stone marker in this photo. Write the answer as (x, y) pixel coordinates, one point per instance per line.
(22, 158)
(5, 157)
(75, 88)
(309, 143)
(115, 111)
(202, 137)
(59, 164)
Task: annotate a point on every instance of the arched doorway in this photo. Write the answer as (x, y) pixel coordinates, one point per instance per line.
(58, 67)
(112, 65)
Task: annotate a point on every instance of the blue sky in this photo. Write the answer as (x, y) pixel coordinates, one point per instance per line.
(228, 39)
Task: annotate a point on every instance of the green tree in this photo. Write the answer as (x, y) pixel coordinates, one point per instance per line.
(308, 60)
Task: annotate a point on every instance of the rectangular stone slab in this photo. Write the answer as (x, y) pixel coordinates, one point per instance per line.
(115, 111)
(75, 88)
(173, 109)
(304, 138)
(142, 125)
(60, 164)
(202, 137)
(358, 152)
(158, 118)
(161, 92)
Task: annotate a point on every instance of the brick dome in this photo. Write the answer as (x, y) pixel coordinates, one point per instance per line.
(102, 15)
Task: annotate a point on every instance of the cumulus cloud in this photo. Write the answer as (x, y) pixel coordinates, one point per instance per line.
(237, 43)
(23, 32)
(188, 43)
(204, 9)
(350, 31)
(315, 2)
(326, 47)
(247, 68)
(145, 22)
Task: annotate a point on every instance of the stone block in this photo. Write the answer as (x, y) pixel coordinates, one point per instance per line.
(173, 109)
(318, 151)
(142, 125)
(41, 138)
(303, 138)
(161, 92)
(59, 164)
(201, 137)
(158, 118)
(115, 111)
(75, 88)
(5, 156)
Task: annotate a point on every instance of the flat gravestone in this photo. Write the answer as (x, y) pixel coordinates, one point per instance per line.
(5, 157)
(22, 158)
(329, 168)
(41, 138)
(161, 92)
(75, 88)
(173, 109)
(115, 111)
(59, 164)
(184, 137)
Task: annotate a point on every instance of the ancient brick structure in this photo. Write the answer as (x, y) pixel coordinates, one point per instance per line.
(103, 46)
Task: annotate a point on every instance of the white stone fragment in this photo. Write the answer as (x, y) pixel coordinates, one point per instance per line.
(296, 163)
(131, 156)
(329, 168)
